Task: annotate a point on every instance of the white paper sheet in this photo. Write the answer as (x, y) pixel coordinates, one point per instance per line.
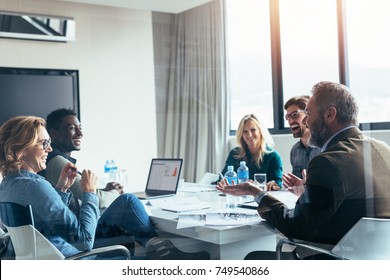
(219, 218)
(179, 204)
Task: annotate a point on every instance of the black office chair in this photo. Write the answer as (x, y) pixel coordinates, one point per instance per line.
(30, 244)
(368, 239)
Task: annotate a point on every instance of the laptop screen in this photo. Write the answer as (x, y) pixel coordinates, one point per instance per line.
(164, 175)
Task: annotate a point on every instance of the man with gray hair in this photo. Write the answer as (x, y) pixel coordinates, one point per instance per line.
(348, 180)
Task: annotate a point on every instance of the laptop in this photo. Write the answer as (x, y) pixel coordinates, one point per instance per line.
(163, 178)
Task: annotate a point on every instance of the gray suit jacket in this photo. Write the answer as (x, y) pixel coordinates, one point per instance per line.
(350, 180)
(53, 171)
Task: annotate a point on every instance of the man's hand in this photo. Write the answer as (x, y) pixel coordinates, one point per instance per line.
(293, 183)
(114, 186)
(245, 188)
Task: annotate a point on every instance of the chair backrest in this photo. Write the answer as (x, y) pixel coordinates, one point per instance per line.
(28, 243)
(368, 239)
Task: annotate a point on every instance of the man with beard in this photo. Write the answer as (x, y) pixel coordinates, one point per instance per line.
(301, 153)
(348, 180)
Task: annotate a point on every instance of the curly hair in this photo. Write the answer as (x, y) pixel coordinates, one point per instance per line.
(16, 135)
(54, 119)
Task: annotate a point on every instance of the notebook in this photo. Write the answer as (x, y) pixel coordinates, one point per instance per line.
(163, 178)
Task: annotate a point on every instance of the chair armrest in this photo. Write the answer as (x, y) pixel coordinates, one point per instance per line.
(302, 244)
(122, 250)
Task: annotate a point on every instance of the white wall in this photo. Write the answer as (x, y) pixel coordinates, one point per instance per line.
(113, 52)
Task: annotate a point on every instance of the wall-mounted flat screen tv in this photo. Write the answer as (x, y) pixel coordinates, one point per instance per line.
(37, 92)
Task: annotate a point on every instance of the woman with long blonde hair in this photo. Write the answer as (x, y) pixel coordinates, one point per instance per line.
(255, 146)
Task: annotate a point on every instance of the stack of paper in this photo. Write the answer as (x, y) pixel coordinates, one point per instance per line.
(179, 204)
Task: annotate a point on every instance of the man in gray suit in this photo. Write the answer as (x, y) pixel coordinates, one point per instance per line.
(348, 180)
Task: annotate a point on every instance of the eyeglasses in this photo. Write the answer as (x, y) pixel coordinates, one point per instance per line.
(46, 143)
(294, 115)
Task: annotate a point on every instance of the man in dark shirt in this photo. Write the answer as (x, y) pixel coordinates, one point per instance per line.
(301, 153)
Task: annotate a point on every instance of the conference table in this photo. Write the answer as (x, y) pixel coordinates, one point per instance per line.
(223, 241)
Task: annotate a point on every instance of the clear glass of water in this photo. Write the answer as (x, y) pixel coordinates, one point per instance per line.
(231, 202)
(261, 180)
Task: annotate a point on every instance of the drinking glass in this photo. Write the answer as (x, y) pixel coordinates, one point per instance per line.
(122, 177)
(231, 202)
(261, 180)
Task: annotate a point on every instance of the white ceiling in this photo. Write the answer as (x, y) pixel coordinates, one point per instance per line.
(168, 6)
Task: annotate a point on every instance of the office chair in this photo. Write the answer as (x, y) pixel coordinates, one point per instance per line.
(368, 239)
(30, 244)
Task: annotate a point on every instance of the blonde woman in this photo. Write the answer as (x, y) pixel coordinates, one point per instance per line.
(255, 147)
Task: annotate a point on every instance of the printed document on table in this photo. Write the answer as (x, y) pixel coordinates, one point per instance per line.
(179, 204)
(196, 188)
(232, 218)
(193, 219)
(219, 218)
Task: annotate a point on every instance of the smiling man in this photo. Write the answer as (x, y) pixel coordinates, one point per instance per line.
(301, 153)
(66, 135)
(348, 180)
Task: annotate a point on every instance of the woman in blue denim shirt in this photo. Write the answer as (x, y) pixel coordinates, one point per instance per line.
(24, 146)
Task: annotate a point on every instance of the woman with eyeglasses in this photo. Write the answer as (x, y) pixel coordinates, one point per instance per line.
(24, 146)
(255, 146)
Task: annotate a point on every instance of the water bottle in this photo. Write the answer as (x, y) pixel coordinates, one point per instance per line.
(107, 169)
(243, 176)
(113, 173)
(230, 175)
(231, 200)
(242, 172)
(110, 171)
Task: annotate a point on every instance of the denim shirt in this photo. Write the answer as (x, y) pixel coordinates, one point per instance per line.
(52, 217)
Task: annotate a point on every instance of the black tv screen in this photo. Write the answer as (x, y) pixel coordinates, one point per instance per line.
(37, 92)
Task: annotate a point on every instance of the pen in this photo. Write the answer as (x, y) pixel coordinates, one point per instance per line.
(220, 176)
(75, 170)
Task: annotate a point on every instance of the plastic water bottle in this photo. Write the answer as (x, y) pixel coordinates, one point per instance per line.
(114, 166)
(230, 175)
(107, 169)
(231, 200)
(243, 176)
(110, 171)
(242, 172)
(113, 173)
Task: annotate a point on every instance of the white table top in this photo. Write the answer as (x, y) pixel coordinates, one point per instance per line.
(167, 221)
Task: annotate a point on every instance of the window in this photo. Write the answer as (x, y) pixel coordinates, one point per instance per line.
(249, 60)
(305, 50)
(308, 32)
(367, 23)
